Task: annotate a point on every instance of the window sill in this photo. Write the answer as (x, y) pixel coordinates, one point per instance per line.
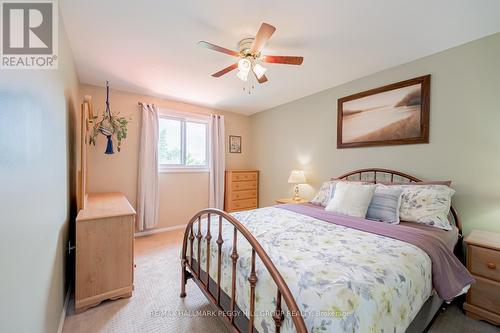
(183, 170)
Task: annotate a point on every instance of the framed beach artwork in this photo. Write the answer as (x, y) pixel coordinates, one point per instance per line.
(391, 115)
(234, 144)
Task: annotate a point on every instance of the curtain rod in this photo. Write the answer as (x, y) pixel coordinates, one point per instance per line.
(142, 103)
(184, 112)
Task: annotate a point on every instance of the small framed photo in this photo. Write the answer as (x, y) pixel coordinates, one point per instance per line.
(235, 144)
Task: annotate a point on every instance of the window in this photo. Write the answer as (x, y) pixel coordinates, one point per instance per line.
(183, 144)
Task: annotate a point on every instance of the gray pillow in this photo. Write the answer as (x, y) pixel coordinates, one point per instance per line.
(385, 205)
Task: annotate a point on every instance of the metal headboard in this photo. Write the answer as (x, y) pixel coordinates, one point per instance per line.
(377, 175)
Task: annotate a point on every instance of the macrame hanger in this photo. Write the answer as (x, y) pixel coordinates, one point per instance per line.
(109, 146)
(108, 111)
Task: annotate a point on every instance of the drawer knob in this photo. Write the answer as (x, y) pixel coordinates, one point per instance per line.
(491, 265)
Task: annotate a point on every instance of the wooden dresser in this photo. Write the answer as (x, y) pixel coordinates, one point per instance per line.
(104, 250)
(483, 261)
(242, 190)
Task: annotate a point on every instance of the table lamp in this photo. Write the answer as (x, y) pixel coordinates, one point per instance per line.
(297, 177)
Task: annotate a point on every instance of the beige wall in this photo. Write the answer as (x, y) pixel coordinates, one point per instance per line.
(37, 117)
(181, 194)
(464, 136)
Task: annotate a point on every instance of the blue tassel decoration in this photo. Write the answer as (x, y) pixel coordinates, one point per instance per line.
(109, 146)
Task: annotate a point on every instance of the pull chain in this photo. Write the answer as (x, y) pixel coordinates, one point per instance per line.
(248, 90)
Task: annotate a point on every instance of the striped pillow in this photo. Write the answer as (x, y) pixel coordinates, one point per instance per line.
(385, 205)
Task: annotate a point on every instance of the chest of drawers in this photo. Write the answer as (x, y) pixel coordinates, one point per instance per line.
(104, 250)
(242, 190)
(483, 261)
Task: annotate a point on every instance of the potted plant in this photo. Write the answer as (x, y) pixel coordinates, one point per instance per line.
(111, 126)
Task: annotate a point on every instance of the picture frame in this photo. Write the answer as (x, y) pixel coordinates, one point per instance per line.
(394, 114)
(235, 144)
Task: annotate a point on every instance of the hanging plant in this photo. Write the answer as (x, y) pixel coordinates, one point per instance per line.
(111, 126)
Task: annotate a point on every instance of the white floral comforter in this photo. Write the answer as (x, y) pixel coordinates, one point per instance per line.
(344, 280)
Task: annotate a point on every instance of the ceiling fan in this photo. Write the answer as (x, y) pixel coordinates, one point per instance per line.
(250, 56)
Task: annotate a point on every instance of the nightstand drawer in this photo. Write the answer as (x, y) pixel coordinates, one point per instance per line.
(242, 176)
(246, 194)
(484, 262)
(242, 204)
(485, 294)
(249, 185)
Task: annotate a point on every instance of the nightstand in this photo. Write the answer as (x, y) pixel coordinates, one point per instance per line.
(290, 201)
(483, 261)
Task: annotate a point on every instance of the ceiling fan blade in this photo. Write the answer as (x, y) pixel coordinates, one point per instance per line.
(262, 79)
(265, 32)
(218, 48)
(225, 70)
(283, 60)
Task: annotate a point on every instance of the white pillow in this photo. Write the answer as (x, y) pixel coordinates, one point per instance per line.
(327, 190)
(351, 199)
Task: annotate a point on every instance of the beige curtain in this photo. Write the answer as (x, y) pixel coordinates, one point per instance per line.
(148, 189)
(217, 161)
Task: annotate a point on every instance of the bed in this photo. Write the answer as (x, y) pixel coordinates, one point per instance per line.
(293, 268)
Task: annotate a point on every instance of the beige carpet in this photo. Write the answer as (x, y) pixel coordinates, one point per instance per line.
(156, 306)
(156, 282)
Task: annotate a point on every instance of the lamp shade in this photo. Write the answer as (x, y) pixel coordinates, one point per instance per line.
(259, 70)
(244, 65)
(243, 76)
(297, 177)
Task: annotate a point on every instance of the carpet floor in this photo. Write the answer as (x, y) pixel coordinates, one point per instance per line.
(156, 306)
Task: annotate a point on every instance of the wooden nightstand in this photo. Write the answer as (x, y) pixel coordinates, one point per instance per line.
(483, 261)
(290, 201)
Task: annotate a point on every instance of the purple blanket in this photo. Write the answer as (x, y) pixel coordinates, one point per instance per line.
(449, 276)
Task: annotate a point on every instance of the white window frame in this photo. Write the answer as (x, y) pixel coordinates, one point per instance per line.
(183, 167)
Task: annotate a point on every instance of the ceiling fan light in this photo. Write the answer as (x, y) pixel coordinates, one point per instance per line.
(259, 70)
(244, 65)
(243, 76)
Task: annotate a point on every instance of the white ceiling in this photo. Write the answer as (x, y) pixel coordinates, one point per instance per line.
(149, 46)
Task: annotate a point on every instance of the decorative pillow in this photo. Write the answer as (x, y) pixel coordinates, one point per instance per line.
(351, 199)
(323, 196)
(385, 205)
(426, 204)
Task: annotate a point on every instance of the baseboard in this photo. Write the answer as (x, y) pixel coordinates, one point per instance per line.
(159, 230)
(64, 310)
